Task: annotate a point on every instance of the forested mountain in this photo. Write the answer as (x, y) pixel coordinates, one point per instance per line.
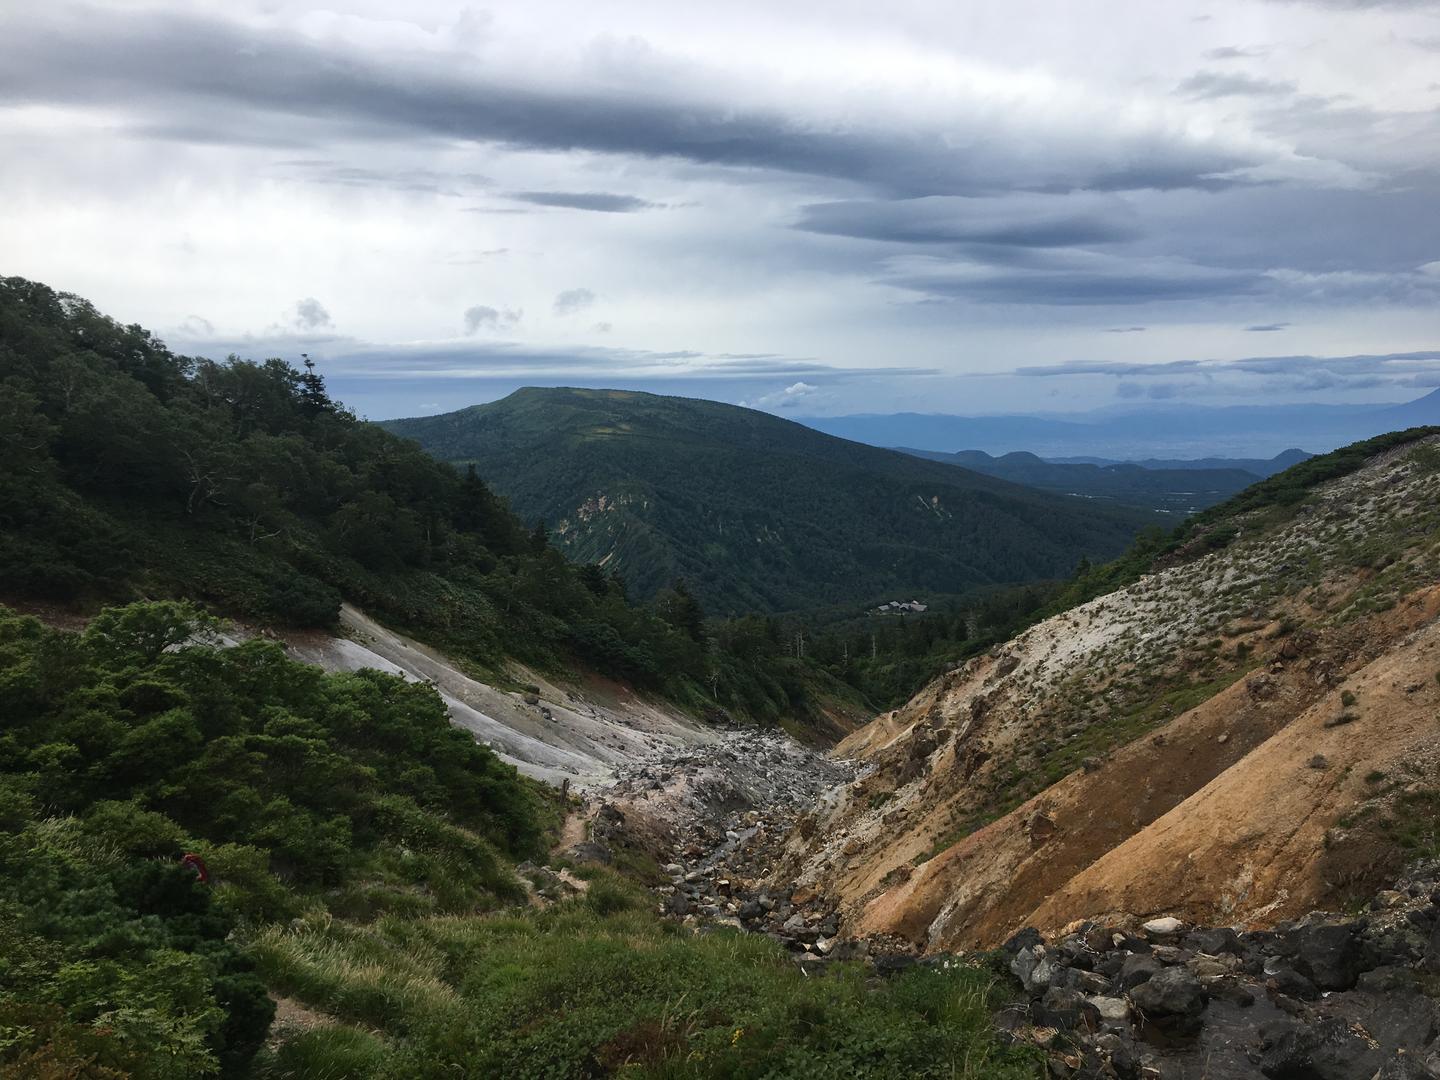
(756, 512)
(1174, 491)
(126, 470)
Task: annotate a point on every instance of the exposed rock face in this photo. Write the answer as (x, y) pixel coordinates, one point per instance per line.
(1168, 749)
(556, 734)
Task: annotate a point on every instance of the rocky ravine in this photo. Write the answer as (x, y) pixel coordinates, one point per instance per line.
(713, 819)
(1234, 740)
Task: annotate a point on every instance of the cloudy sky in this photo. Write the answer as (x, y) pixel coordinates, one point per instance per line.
(812, 206)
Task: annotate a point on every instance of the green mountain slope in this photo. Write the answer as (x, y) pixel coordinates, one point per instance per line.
(126, 470)
(756, 512)
(1171, 491)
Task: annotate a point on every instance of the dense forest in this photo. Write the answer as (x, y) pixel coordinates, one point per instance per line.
(127, 470)
(756, 513)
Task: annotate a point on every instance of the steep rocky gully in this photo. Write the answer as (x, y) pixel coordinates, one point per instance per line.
(1131, 811)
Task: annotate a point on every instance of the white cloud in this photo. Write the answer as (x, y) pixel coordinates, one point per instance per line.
(973, 189)
(788, 398)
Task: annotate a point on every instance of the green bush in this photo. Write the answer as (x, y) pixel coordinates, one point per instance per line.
(291, 784)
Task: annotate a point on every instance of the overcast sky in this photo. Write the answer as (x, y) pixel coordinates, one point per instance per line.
(814, 206)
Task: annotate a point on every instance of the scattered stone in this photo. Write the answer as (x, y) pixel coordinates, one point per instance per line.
(1166, 927)
(1111, 1008)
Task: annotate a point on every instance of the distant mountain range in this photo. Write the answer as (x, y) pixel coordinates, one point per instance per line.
(1169, 431)
(1260, 467)
(1172, 490)
(756, 512)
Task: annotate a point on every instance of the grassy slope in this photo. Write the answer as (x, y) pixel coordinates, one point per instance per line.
(758, 513)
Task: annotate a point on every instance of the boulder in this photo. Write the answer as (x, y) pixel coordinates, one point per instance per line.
(1025, 939)
(1216, 942)
(1138, 969)
(1172, 992)
(1329, 954)
(1066, 1010)
(1166, 927)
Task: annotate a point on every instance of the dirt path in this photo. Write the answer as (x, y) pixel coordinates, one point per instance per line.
(575, 830)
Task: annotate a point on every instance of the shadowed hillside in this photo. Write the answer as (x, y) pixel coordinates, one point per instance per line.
(756, 512)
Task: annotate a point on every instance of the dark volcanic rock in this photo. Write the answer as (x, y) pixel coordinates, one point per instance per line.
(1066, 1010)
(1324, 1050)
(1172, 992)
(1216, 942)
(1138, 969)
(1329, 954)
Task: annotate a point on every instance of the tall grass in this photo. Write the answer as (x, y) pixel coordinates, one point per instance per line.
(600, 985)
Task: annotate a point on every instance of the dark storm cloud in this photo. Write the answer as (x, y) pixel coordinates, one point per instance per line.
(601, 201)
(1267, 328)
(1208, 85)
(199, 73)
(1021, 221)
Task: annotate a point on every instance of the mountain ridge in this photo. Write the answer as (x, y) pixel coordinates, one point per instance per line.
(1126, 432)
(1171, 491)
(755, 511)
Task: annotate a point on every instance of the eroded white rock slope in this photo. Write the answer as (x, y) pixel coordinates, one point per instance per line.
(567, 733)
